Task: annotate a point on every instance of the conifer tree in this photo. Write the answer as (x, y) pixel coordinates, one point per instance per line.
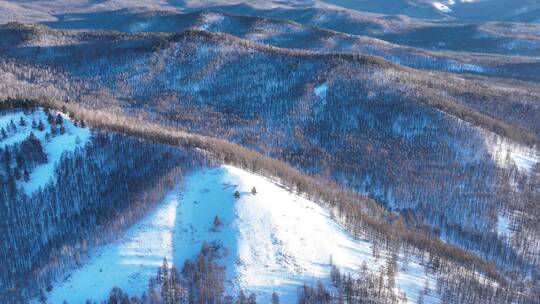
(252, 298)
(40, 126)
(42, 296)
(216, 224)
(241, 298)
(26, 175)
(275, 298)
(59, 119)
(12, 127)
(50, 118)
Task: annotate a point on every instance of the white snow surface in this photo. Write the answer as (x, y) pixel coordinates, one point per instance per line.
(127, 263)
(457, 66)
(413, 280)
(506, 153)
(503, 225)
(321, 90)
(442, 7)
(275, 240)
(211, 20)
(54, 148)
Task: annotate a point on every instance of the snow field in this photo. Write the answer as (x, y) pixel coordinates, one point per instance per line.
(506, 153)
(273, 240)
(54, 147)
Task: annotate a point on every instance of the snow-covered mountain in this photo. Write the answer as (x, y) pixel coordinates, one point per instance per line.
(60, 193)
(463, 10)
(450, 25)
(319, 151)
(457, 10)
(274, 240)
(288, 34)
(325, 113)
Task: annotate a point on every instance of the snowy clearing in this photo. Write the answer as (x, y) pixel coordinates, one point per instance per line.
(127, 263)
(275, 241)
(413, 280)
(53, 147)
(507, 154)
(211, 21)
(321, 90)
(442, 7)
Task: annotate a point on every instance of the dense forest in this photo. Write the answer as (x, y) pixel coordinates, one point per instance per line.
(443, 168)
(357, 213)
(98, 191)
(348, 122)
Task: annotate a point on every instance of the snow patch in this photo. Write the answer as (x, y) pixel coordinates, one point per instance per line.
(503, 225)
(321, 90)
(522, 45)
(139, 26)
(211, 20)
(127, 263)
(506, 154)
(54, 147)
(415, 281)
(457, 66)
(442, 7)
(275, 241)
(403, 126)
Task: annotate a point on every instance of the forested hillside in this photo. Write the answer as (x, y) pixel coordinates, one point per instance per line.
(123, 61)
(355, 119)
(242, 242)
(288, 34)
(95, 191)
(357, 213)
(325, 151)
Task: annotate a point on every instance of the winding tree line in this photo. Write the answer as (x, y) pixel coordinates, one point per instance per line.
(202, 280)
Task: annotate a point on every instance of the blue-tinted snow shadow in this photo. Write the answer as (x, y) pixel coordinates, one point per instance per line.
(205, 196)
(208, 193)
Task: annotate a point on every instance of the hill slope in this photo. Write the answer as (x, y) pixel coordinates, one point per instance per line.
(73, 137)
(287, 34)
(113, 60)
(65, 188)
(275, 241)
(387, 20)
(405, 137)
(469, 10)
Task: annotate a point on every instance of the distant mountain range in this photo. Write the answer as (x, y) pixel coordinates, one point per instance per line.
(454, 10)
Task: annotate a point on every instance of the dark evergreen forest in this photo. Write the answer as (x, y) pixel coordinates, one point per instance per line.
(98, 191)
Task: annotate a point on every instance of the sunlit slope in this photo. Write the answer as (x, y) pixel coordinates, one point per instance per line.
(273, 240)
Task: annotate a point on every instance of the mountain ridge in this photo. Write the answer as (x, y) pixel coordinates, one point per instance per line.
(153, 43)
(416, 134)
